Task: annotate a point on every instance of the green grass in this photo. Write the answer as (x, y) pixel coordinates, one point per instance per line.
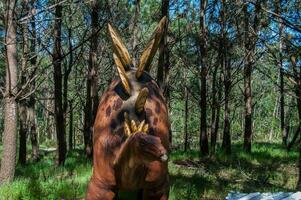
(44, 181)
(268, 168)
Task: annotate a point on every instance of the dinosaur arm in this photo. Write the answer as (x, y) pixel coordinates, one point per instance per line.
(124, 154)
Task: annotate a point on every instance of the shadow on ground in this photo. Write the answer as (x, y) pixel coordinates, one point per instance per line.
(268, 169)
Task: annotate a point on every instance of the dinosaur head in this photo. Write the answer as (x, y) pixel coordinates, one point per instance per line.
(149, 148)
(140, 147)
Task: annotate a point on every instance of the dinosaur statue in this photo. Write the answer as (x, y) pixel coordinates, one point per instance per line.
(131, 129)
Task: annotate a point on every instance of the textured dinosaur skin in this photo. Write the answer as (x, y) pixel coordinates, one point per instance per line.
(130, 163)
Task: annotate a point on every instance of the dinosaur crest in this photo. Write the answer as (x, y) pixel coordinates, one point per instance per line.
(131, 75)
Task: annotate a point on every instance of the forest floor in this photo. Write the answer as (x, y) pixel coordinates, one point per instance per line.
(268, 168)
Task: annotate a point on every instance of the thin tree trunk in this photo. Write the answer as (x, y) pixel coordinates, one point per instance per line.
(249, 43)
(92, 87)
(8, 160)
(247, 85)
(186, 99)
(274, 116)
(32, 101)
(33, 129)
(282, 112)
(163, 62)
(58, 102)
(23, 103)
(67, 70)
(298, 94)
(214, 117)
(70, 126)
(203, 44)
(226, 144)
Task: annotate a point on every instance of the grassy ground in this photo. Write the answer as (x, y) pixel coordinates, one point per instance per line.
(268, 168)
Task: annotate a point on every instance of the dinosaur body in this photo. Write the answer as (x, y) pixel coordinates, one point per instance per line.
(131, 135)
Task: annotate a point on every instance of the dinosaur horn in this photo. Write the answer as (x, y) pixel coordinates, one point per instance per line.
(119, 48)
(122, 74)
(151, 48)
(141, 99)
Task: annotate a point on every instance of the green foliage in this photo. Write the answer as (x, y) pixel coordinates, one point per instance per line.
(268, 168)
(44, 181)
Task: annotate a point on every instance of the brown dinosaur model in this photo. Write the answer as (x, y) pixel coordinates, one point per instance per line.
(131, 130)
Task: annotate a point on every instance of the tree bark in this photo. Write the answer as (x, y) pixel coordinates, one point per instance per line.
(226, 144)
(23, 103)
(249, 43)
(282, 111)
(58, 102)
(214, 115)
(32, 100)
(67, 71)
(92, 87)
(298, 95)
(70, 126)
(163, 63)
(186, 99)
(8, 160)
(203, 45)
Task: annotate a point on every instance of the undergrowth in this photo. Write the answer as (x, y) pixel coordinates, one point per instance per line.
(269, 168)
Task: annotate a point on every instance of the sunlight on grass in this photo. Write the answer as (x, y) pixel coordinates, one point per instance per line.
(268, 168)
(44, 181)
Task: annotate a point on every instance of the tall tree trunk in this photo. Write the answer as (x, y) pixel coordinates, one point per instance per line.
(203, 45)
(70, 126)
(249, 43)
(186, 99)
(214, 116)
(23, 103)
(32, 101)
(58, 102)
(67, 71)
(33, 129)
(8, 160)
(226, 144)
(298, 94)
(163, 62)
(92, 87)
(282, 112)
